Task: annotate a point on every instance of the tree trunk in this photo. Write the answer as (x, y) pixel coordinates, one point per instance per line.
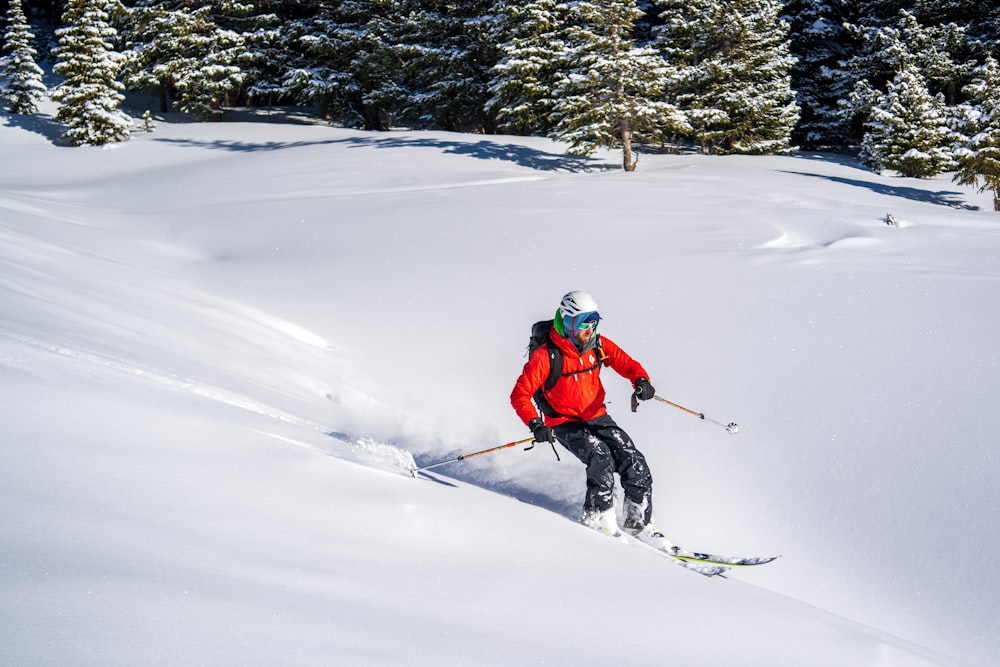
(996, 199)
(626, 134)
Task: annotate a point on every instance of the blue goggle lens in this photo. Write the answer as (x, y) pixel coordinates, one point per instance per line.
(582, 322)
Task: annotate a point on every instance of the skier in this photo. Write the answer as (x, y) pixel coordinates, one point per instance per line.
(574, 415)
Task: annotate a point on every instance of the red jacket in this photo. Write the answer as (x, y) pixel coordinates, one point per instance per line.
(575, 396)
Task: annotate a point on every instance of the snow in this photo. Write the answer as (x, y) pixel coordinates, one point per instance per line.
(223, 345)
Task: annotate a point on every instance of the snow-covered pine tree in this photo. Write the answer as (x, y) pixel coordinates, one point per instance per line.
(528, 36)
(183, 53)
(943, 54)
(610, 92)
(820, 43)
(445, 55)
(684, 38)
(89, 95)
(262, 60)
(733, 62)
(981, 18)
(24, 88)
(343, 62)
(312, 76)
(908, 131)
(978, 154)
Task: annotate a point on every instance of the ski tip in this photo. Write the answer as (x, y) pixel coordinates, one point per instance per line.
(766, 559)
(761, 560)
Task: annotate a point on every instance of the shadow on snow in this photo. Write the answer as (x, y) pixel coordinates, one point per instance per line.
(951, 199)
(480, 150)
(37, 123)
(568, 508)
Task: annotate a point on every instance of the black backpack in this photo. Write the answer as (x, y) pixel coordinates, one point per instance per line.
(540, 337)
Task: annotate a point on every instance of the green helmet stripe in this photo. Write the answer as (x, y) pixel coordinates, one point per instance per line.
(558, 323)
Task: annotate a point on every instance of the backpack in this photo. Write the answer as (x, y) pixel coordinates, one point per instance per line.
(540, 337)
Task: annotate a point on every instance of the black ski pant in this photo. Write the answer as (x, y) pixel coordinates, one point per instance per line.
(605, 449)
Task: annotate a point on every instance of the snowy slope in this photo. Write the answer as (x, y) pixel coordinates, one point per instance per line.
(221, 345)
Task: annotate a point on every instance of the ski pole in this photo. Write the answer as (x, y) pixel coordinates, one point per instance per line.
(469, 456)
(731, 426)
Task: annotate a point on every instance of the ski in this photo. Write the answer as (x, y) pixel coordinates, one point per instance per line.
(710, 565)
(656, 540)
(713, 559)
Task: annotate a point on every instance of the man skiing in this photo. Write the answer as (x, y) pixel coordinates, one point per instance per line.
(574, 415)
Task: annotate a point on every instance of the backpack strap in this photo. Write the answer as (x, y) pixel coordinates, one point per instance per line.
(555, 372)
(555, 365)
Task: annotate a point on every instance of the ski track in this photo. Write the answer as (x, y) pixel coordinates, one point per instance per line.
(364, 451)
(172, 382)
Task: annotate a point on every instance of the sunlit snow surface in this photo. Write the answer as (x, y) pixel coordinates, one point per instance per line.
(224, 347)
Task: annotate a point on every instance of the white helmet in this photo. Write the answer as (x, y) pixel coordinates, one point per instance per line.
(576, 309)
(577, 303)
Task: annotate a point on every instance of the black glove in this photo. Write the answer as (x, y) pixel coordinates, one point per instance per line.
(542, 432)
(643, 390)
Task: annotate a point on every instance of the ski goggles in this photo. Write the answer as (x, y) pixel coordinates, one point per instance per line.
(582, 322)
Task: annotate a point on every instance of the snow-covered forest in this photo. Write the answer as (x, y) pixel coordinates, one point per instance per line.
(914, 86)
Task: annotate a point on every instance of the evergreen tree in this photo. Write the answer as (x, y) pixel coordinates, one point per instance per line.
(188, 54)
(979, 18)
(90, 94)
(943, 54)
(819, 42)
(610, 91)
(311, 72)
(446, 57)
(343, 62)
(263, 60)
(685, 38)
(908, 131)
(524, 77)
(978, 154)
(732, 72)
(24, 88)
